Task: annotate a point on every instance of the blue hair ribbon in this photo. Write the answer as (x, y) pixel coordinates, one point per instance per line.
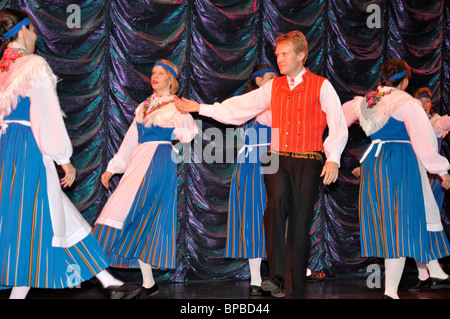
(15, 29)
(255, 74)
(398, 75)
(394, 76)
(167, 67)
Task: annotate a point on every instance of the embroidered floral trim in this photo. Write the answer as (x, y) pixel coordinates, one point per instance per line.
(374, 97)
(10, 56)
(154, 107)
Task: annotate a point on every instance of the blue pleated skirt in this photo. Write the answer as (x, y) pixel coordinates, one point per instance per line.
(247, 203)
(440, 239)
(391, 204)
(149, 230)
(27, 257)
(438, 190)
(436, 186)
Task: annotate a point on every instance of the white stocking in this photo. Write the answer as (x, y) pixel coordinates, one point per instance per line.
(107, 279)
(394, 270)
(422, 271)
(435, 270)
(19, 292)
(255, 271)
(147, 275)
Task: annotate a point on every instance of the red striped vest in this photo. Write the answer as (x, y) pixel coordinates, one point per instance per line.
(297, 114)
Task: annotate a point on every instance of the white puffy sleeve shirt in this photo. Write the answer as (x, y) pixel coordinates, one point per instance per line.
(440, 124)
(239, 109)
(420, 131)
(49, 131)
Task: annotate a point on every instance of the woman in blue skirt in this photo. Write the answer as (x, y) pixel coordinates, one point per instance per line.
(137, 226)
(245, 231)
(44, 240)
(399, 216)
(441, 126)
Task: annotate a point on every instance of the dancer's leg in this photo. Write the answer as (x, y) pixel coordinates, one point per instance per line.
(107, 279)
(394, 270)
(147, 274)
(19, 292)
(255, 271)
(436, 270)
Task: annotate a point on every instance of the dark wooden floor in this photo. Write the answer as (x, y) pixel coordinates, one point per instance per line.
(350, 288)
(231, 299)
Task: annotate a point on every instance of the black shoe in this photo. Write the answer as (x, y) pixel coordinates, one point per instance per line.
(420, 284)
(436, 283)
(145, 293)
(255, 290)
(274, 286)
(387, 297)
(315, 276)
(271, 284)
(122, 292)
(278, 293)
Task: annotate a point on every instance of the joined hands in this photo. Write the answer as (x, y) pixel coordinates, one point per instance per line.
(186, 106)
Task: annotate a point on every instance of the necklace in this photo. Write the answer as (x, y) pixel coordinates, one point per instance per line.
(10, 56)
(149, 109)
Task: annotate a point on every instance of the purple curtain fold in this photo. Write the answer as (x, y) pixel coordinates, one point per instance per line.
(104, 68)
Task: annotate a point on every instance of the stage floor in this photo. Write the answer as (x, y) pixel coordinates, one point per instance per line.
(351, 288)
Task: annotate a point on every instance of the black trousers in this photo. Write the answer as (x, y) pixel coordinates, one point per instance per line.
(291, 196)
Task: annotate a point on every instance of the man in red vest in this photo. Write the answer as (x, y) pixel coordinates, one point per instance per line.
(303, 105)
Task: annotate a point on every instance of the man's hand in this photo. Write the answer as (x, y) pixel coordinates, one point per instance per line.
(330, 173)
(186, 106)
(69, 177)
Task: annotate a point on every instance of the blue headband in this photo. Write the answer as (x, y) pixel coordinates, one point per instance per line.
(167, 67)
(15, 29)
(425, 96)
(395, 76)
(255, 74)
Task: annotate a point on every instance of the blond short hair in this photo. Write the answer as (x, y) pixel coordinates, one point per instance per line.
(298, 39)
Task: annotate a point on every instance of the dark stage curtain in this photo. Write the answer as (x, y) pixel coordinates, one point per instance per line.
(105, 64)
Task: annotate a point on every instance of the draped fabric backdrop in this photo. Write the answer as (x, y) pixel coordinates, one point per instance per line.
(105, 65)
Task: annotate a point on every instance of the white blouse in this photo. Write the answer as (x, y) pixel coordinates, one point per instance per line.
(133, 158)
(440, 124)
(31, 76)
(419, 129)
(239, 109)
